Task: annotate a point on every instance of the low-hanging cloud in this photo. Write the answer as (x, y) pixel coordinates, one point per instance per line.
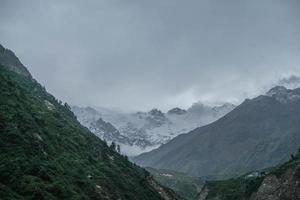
(140, 54)
(290, 82)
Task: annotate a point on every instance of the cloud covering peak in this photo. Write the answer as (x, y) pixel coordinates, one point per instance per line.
(142, 54)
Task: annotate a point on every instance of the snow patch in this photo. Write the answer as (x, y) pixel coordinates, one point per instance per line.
(49, 105)
(141, 132)
(167, 175)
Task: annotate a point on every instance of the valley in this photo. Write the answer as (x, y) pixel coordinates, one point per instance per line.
(149, 100)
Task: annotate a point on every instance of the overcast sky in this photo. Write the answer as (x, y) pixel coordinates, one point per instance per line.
(139, 54)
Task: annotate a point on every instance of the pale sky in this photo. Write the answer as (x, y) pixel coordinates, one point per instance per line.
(140, 54)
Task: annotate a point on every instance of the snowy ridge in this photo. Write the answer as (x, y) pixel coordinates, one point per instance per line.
(284, 95)
(144, 131)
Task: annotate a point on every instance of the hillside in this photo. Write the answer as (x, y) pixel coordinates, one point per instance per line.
(46, 154)
(11, 62)
(279, 183)
(257, 134)
(183, 184)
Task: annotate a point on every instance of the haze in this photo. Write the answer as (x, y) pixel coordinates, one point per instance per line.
(138, 54)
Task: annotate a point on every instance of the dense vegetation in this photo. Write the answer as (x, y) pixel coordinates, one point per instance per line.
(233, 189)
(10, 61)
(46, 154)
(294, 162)
(185, 185)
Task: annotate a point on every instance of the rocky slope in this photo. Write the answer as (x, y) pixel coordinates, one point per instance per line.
(46, 154)
(279, 183)
(257, 134)
(143, 131)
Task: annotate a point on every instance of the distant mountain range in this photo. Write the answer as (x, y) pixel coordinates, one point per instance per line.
(47, 154)
(257, 134)
(143, 131)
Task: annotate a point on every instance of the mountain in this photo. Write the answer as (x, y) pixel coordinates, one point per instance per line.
(91, 119)
(10, 61)
(279, 183)
(257, 134)
(144, 131)
(107, 131)
(176, 111)
(45, 153)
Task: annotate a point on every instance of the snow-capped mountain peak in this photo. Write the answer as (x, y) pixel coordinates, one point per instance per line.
(277, 90)
(176, 111)
(143, 131)
(284, 95)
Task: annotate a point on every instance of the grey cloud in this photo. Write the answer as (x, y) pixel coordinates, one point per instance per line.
(139, 54)
(290, 82)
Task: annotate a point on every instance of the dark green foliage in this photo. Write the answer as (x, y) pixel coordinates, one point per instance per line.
(118, 148)
(113, 146)
(292, 163)
(233, 189)
(46, 154)
(242, 188)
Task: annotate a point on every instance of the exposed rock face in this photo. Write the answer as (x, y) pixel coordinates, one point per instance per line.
(268, 189)
(9, 60)
(259, 133)
(107, 131)
(284, 95)
(177, 111)
(203, 194)
(285, 187)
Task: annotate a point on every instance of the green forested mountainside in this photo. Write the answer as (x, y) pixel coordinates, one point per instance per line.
(183, 184)
(232, 189)
(10, 61)
(46, 154)
(278, 183)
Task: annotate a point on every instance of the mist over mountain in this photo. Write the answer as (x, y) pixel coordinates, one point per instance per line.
(47, 154)
(139, 55)
(292, 81)
(140, 132)
(150, 100)
(257, 134)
